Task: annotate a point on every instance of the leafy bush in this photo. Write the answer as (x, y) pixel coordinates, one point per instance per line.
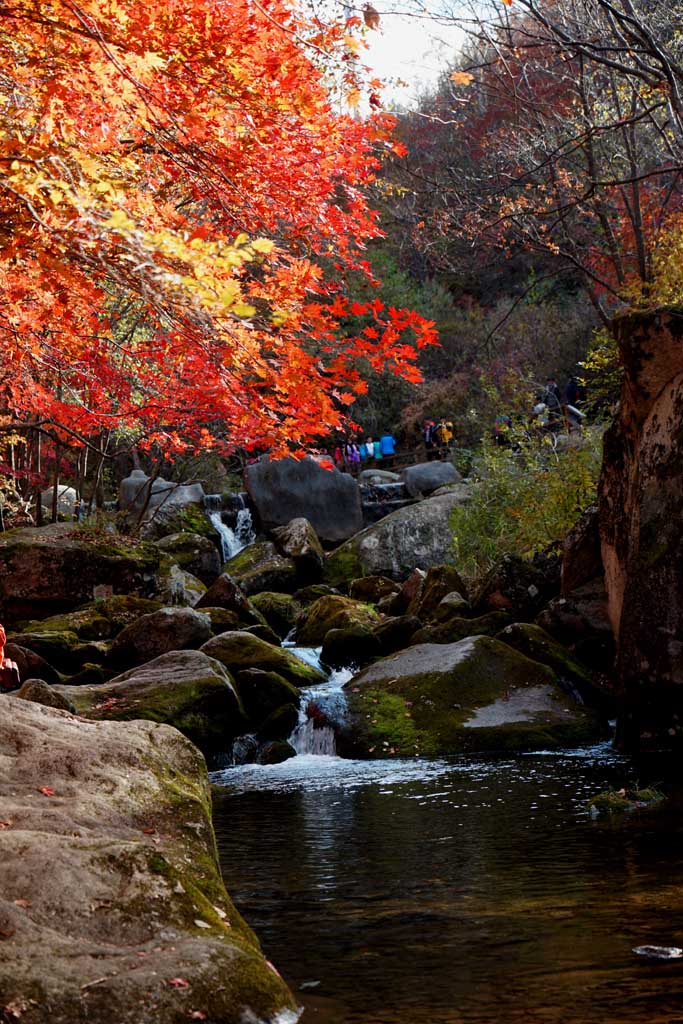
(526, 497)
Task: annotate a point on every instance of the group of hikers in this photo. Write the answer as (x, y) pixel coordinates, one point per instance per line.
(554, 412)
(438, 437)
(350, 457)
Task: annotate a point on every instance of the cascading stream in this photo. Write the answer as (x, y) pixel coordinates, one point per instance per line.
(232, 541)
(309, 737)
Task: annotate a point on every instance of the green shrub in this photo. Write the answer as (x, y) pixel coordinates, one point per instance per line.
(527, 496)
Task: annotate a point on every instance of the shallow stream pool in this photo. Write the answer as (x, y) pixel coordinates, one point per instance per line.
(459, 891)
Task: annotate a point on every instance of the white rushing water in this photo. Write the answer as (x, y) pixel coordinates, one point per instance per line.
(232, 541)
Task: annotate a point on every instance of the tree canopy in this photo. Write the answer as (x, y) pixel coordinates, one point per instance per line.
(184, 196)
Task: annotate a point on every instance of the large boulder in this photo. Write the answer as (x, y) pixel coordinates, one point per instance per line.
(112, 904)
(49, 569)
(196, 554)
(440, 581)
(477, 694)
(241, 650)
(581, 622)
(176, 586)
(40, 692)
(332, 613)
(227, 594)
(299, 541)
(139, 491)
(457, 628)
(280, 611)
(263, 693)
(426, 477)
(186, 689)
(287, 489)
(169, 629)
(419, 535)
(67, 499)
(261, 567)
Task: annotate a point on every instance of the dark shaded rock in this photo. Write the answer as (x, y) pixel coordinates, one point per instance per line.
(398, 604)
(55, 648)
(226, 593)
(581, 622)
(515, 586)
(90, 675)
(453, 605)
(371, 589)
(54, 568)
(87, 623)
(222, 620)
(280, 724)
(264, 633)
(354, 645)
(31, 665)
(262, 693)
(581, 556)
(426, 477)
(240, 650)
(287, 489)
(120, 610)
(275, 752)
(457, 628)
(186, 689)
(538, 645)
(280, 611)
(40, 692)
(169, 629)
(299, 541)
(394, 634)
(478, 694)
(175, 586)
(332, 613)
(439, 581)
(196, 554)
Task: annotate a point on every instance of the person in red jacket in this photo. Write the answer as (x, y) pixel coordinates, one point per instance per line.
(9, 670)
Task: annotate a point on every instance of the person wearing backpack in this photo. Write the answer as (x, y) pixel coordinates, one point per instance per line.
(387, 447)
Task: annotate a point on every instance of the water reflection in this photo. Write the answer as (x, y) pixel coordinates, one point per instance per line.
(473, 891)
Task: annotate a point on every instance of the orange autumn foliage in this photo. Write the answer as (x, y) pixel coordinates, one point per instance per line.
(182, 201)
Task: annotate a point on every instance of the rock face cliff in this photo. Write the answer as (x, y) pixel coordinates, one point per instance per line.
(641, 526)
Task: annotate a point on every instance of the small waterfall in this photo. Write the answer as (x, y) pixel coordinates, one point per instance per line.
(232, 540)
(311, 736)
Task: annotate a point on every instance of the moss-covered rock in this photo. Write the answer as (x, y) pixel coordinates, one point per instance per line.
(538, 645)
(222, 619)
(240, 650)
(169, 629)
(120, 610)
(186, 689)
(122, 873)
(453, 605)
(176, 586)
(261, 567)
(51, 569)
(333, 613)
(457, 628)
(40, 692)
(275, 752)
(307, 595)
(195, 553)
(262, 693)
(280, 611)
(171, 519)
(226, 593)
(477, 694)
(56, 648)
(624, 801)
(264, 632)
(87, 623)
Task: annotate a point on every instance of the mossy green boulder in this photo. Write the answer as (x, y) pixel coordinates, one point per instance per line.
(111, 889)
(88, 623)
(474, 695)
(333, 612)
(280, 611)
(240, 650)
(457, 628)
(58, 648)
(261, 567)
(186, 689)
(169, 629)
(439, 581)
(262, 693)
(195, 553)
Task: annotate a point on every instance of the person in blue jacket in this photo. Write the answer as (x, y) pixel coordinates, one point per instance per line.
(387, 446)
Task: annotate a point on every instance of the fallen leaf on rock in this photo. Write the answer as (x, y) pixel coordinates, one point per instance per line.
(149, 831)
(179, 983)
(22, 903)
(47, 791)
(196, 1015)
(18, 1007)
(6, 933)
(6, 824)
